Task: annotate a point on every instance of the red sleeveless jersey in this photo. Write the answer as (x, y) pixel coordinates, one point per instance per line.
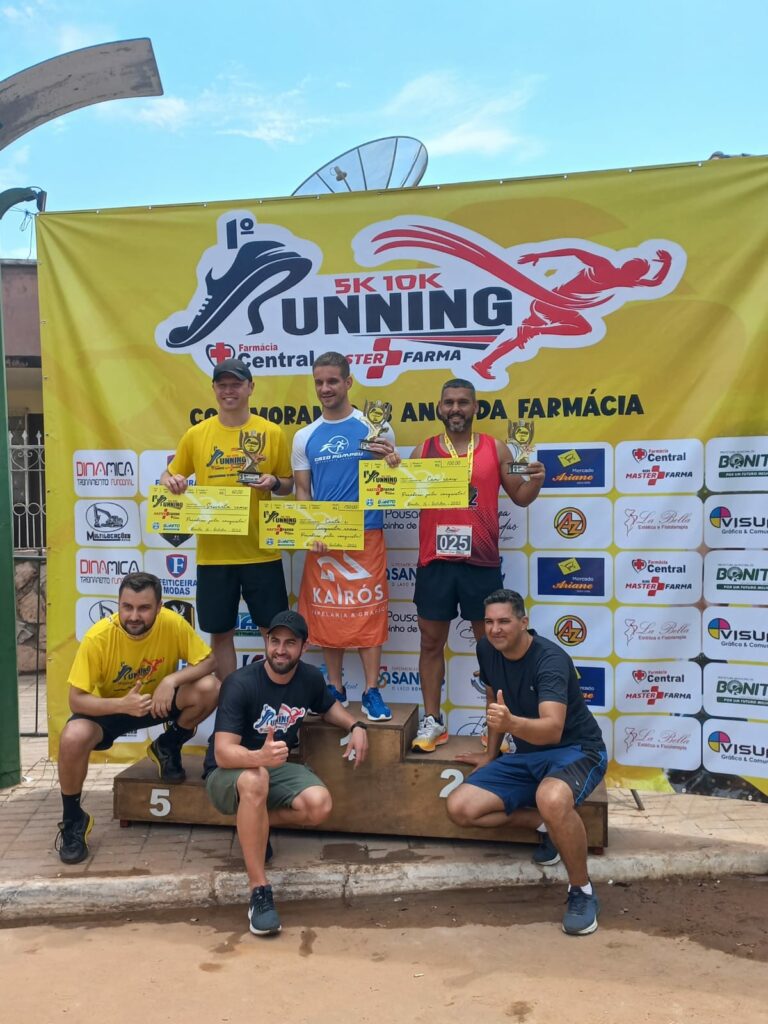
(482, 515)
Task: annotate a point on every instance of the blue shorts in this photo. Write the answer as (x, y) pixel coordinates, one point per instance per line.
(514, 778)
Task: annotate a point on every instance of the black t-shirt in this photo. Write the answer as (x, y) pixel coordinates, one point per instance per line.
(249, 703)
(544, 673)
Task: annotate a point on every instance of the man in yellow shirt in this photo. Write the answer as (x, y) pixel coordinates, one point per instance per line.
(125, 677)
(218, 451)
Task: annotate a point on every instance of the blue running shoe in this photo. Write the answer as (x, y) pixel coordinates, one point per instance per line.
(546, 853)
(255, 264)
(374, 707)
(581, 916)
(339, 695)
(263, 919)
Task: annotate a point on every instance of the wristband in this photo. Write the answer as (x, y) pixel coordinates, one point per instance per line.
(276, 485)
(359, 725)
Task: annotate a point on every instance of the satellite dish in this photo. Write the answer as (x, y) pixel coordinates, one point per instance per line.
(395, 162)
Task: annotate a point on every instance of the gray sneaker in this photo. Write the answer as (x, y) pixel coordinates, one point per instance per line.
(262, 916)
(581, 916)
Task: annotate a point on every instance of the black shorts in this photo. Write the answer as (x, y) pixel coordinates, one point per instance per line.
(443, 587)
(262, 585)
(115, 726)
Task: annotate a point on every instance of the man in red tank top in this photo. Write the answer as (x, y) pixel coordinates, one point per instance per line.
(459, 561)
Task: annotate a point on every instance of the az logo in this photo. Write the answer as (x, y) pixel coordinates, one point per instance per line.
(570, 523)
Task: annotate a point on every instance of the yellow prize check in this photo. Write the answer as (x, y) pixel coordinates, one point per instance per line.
(296, 524)
(221, 510)
(415, 483)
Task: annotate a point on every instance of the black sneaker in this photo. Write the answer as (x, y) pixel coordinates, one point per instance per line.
(262, 916)
(546, 853)
(71, 842)
(167, 757)
(255, 263)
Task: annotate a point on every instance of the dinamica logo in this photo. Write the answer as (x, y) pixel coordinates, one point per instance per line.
(110, 473)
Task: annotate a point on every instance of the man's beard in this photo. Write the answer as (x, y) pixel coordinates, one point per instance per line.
(283, 668)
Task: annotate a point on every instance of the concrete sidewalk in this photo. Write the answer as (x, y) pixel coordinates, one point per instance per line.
(157, 865)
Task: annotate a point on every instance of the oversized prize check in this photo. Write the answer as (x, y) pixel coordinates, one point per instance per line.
(415, 483)
(222, 510)
(297, 524)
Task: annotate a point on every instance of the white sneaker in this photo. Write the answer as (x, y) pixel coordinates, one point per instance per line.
(431, 734)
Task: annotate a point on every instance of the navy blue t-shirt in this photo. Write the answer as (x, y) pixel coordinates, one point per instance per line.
(544, 673)
(250, 702)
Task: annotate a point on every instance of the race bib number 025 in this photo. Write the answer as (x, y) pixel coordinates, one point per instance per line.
(453, 541)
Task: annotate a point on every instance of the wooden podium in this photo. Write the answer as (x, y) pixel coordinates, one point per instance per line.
(394, 792)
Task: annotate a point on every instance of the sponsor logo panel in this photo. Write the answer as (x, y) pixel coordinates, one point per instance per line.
(90, 610)
(352, 677)
(403, 627)
(581, 576)
(176, 571)
(467, 722)
(513, 524)
(644, 522)
(100, 570)
(657, 741)
(401, 528)
(596, 682)
(152, 464)
(399, 679)
(668, 687)
(736, 520)
(737, 463)
(401, 574)
(577, 469)
(514, 571)
(461, 639)
(736, 634)
(735, 748)
(464, 685)
(738, 691)
(606, 728)
(584, 632)
(107, 522)
(658, 577)
(105, 473)
(657, 633)
(654, 467)
(736, 577)
(577, 523)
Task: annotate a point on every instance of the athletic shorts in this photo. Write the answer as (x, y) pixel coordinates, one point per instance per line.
(444, 587)
(514, 778)
(115, 726)
(262, 585)
(285, 784)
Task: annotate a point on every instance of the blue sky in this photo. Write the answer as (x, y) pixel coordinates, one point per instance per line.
(257, 95)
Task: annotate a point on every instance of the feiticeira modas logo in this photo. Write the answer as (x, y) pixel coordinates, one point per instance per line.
(475, 309)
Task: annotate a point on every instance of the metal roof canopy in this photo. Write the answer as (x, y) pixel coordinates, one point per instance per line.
(110, 71)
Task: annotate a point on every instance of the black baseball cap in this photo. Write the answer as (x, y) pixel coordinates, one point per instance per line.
(291, 620)
(234, 366)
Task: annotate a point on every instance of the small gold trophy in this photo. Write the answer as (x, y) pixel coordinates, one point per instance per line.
(252, 444)
(520, 440)
(377, 415)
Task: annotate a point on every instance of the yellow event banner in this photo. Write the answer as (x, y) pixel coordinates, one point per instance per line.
(415, 483)
(210, 510)
(298, 524)
(622, 315)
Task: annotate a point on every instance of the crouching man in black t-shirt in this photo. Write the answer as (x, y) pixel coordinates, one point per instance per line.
(246, 768)
(558, 757)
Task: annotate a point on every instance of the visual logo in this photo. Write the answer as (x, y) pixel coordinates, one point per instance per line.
(718, 514)
(570, 630)
(570, 523)
(478, 306)
(716, 740)
(176, 565)
(716, 627)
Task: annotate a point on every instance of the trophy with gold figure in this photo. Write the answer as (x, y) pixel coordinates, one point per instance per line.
(252, 444)
(520, 440)
(377, 415)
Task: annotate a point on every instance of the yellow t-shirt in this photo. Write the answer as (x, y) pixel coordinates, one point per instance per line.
(109, 662)
(213, 453)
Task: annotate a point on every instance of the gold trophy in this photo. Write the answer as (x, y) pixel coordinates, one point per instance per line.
(377, 415)
(252, 444)
(520, 440)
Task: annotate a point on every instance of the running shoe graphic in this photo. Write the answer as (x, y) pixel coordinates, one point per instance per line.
(254, 264)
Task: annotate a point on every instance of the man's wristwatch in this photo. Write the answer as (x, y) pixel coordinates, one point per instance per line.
(359, 725)
(276, 485)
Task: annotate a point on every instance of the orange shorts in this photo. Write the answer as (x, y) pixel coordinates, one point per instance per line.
(344, 595)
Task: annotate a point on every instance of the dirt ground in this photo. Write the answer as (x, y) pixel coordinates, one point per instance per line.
(668, 952)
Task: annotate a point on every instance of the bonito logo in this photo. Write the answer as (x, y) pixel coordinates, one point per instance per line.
(479, 307)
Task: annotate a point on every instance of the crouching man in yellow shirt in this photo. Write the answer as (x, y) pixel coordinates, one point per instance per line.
(125, 677)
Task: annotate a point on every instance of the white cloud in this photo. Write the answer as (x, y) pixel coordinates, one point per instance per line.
(13, 170)
(171, 113)
(435, 91)
(76, 37)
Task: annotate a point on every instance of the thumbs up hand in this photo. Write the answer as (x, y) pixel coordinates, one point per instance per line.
(498, 715)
